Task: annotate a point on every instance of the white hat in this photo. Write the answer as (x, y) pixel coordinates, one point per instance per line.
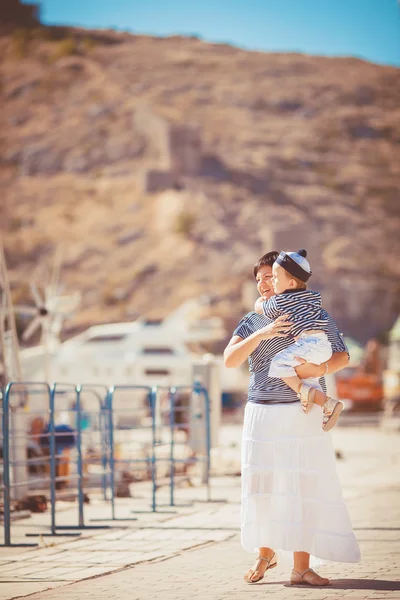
(296, 264)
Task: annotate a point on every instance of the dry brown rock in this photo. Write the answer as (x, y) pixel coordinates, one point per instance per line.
(167, 166)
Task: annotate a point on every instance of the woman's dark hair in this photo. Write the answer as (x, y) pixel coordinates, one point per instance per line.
(266, 260)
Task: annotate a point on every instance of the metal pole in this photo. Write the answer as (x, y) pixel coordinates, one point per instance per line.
(10, 370)
(112, 458)
(153, 400)
(103, 441)
(53, 391)
(102, 423)
(52, 461)
(172, 424)
(79, 461)
(17, 428)
(6, 472)
(208, 447)
(79, 389)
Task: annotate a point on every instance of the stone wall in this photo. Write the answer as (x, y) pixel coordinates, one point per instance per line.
(184, 149)
(175, 148)
(153, 129)
(152, 181)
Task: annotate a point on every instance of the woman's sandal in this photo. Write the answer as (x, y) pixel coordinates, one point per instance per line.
(270, 565)
(302, 579)
(306, 395)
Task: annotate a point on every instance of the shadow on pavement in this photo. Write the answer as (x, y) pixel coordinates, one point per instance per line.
(365, 584)
(355, 584)
(344, 584)
(376, 528)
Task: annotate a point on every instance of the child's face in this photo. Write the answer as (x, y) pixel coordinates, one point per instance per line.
(281, 279)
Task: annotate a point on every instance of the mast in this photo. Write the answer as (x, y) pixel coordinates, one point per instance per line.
(10, 370)
(10, 367)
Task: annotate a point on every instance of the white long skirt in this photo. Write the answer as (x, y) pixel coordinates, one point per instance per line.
(291, 495)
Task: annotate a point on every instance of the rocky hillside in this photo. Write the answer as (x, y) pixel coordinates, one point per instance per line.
(167, 166)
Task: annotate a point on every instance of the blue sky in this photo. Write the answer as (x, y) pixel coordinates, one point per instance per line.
(367, 29)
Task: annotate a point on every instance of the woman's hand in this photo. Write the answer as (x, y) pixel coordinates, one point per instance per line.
(279, 328)
(337, 362)
(258, 306)
(238, 350)
(306, 370)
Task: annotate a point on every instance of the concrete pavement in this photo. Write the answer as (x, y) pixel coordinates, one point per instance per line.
(195, 550)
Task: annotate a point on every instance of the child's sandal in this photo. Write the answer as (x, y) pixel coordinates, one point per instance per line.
(306, 395)
(332, 409)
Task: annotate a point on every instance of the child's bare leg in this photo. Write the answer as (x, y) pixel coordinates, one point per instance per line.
(331, 408)
(295, 382)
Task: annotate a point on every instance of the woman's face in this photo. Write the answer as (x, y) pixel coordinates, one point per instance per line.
(264, 282)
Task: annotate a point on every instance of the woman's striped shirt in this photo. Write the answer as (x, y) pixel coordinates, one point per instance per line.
(270, 390)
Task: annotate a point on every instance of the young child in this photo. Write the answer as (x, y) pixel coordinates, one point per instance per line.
(302, 307)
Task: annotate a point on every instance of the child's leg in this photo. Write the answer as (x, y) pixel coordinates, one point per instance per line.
(282, 367)
(310, 395)
(315, 348)
(295, 384)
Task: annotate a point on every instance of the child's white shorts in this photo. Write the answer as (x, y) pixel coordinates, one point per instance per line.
(314, 348)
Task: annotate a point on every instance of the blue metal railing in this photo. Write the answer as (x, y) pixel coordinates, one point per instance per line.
(23, 391)
(139, 414)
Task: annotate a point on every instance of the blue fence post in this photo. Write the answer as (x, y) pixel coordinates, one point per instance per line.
(207, 457)
(153, 399)
(101, 421)
(81, 523)
(112, 457)
(53, 472)
(6, 469)
(172, 442)
(52, 462)
(110, 402)
(78, 413)
(104, 439)
(151, 460)
(81, 496)
(208, 447)
(156, 441)
(200, 391)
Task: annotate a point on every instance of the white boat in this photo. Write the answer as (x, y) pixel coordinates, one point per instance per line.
(135, 353)
(140, 352)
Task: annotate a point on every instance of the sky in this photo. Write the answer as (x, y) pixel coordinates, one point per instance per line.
(368, 29)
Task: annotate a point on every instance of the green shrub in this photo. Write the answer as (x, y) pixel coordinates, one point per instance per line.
(42, 33)
(67, 47)
(20, 41)
(15, 223)
(184, 223)
(89, 44)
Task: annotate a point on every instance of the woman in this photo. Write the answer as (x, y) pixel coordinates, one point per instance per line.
(291, 495)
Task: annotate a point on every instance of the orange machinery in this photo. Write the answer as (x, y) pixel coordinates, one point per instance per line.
(363, 384)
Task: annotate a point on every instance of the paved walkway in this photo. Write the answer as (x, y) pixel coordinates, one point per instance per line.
(195, 551)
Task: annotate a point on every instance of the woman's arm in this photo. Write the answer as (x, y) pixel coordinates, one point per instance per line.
(339, 359)
(337, 362)
(239, 349)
